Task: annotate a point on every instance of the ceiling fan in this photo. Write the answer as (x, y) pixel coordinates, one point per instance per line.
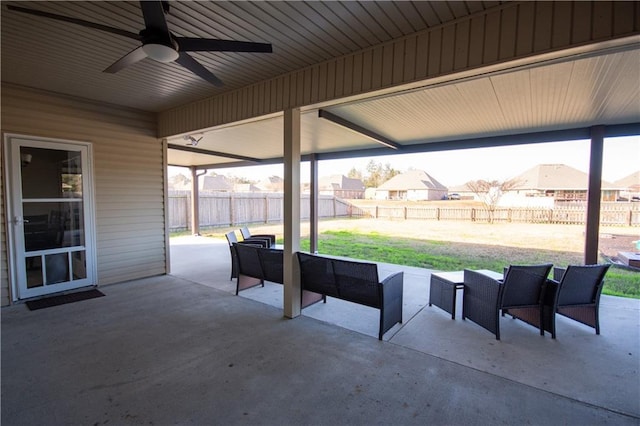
(158, 43)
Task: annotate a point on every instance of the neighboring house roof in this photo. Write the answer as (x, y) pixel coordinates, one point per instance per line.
(340, 182)
(245, 187)
(216, 183)
(555, 177)
(272, 183)
(179, 182)
(631, 182)
(413, 179)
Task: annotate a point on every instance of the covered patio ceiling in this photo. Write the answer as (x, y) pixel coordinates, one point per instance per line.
(541, 101)
(557, 96)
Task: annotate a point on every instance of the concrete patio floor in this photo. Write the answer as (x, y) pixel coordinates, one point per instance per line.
(183, 349)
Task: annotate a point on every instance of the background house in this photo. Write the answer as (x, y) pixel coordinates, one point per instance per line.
(629, 187)
(271, 184)
(414, 185)
(341, 186)
(218, 183)
(547, 184)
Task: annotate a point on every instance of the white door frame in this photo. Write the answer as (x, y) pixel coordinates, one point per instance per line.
(13, 210)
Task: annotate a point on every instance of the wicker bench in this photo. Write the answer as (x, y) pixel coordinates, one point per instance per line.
(259, 264)
(355, 282)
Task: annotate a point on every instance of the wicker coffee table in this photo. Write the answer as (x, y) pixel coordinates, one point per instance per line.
(444, 286)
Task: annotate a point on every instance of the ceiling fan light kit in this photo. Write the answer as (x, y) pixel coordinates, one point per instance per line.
(160, 52)
(158, 43)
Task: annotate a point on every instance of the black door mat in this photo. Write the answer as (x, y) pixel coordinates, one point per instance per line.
(63, 299)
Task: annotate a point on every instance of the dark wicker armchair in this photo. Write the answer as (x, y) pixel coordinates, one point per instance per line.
(520, 294)
(231, 239)
(246, 234)
(578, 293)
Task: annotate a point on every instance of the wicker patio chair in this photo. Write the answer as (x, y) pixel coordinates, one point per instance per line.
(272, 261)
(579, 289)
(246, 234)
(520, 294)
(250, 273)
(231, 239)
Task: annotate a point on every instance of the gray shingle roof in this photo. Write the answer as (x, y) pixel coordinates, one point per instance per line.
(555, 176)
(629, 182)
(216, 183)
(413, 179)
(340, 182)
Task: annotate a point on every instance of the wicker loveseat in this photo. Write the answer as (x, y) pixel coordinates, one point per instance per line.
(354, 282)
(259, 264)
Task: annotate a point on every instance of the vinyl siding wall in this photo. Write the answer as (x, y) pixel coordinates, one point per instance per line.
(515, 31)
(128, 177)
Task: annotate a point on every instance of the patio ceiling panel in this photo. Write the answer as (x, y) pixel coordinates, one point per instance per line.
(187, 159)
(577, 93)
(263, 139)
(570, 94)
(69, 59)
(321, 136)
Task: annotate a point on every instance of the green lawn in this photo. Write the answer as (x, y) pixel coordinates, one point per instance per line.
(447, 256)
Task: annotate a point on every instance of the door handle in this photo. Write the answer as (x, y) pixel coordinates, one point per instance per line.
(18, 220)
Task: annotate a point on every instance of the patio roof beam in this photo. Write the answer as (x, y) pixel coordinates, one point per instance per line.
(628, 129)
(216, 153)
(322, 113)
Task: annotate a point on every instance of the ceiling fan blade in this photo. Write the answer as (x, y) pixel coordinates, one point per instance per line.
(155, 20)
(76, 21)
(130, 58)
(189, 44)
(196, 67)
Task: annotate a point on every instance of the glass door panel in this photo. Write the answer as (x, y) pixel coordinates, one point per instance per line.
(50, 205)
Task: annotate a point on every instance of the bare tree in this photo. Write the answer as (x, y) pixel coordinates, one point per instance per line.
(355, 173)
(378, 174)
(490, 192)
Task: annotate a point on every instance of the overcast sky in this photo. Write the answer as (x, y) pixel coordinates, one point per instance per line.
(621, 158)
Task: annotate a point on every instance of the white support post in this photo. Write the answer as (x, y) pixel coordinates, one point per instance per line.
(195, 203)
(594, 195)
(313, 205)
(291, 212)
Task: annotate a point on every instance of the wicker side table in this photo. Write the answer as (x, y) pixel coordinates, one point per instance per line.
(444, 287)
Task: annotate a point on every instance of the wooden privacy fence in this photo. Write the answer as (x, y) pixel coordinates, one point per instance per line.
(614, 214)
(229, 209)
(235, 208)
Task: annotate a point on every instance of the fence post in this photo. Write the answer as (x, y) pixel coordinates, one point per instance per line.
(405, 213)
(231, 209)
(550, 215)
(266, 207)
(473, 214)
(376, 211)
(438, 213)
(189, 212)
